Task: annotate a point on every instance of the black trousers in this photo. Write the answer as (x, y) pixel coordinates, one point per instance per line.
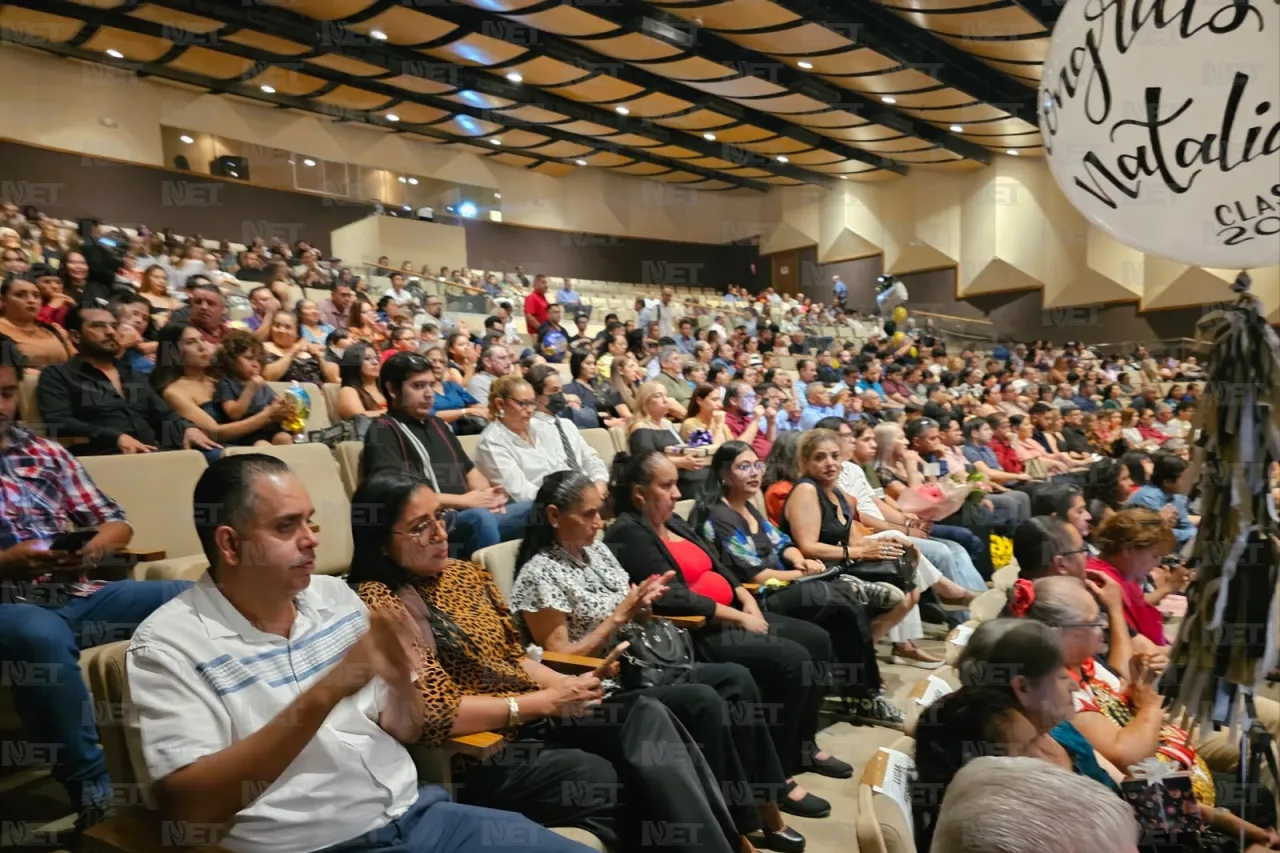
(627, 771)
(791, 666)
(831, 606)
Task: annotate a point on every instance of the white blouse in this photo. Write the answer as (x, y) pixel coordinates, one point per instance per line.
(586, 592)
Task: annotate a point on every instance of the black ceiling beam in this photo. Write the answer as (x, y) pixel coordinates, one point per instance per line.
(392, 93)
(1044, 11)
(331, 36)
(552, 46)
(879, 29)
(630, 14)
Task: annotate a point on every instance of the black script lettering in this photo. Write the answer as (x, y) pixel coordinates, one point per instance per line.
(1221, 212)
(1153, 125)
(1091, 162)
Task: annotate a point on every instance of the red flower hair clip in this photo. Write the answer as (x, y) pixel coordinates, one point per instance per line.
(1024, 595)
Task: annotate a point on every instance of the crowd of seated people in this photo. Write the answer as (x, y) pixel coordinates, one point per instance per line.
(839, 506)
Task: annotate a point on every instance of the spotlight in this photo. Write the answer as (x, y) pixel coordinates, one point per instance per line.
(580, 162)
(377, 35)
(114, 54)
(413, 181)
(807, 66)
(187, 139)
(497, 195)
(403, 179)
(467, 210)
(782, 158)
(515, 77)
(710, 137)
(308, 162)
(392, 117)
(622, 111)
(495, 141)
(1011, 152)
(889, 100)
(955, 128)
(270, 90)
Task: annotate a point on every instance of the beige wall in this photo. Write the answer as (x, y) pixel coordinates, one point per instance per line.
(374, 236)
(1005, 227)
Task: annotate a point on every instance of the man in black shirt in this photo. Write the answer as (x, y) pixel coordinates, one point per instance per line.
(96, 397)
(411, 440)
(552, 340)
(1073, 431)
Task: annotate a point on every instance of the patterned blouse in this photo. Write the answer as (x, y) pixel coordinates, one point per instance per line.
(742, 552)
(478, 650)
(586, 592)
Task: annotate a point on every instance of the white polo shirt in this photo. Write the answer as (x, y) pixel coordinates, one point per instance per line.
(202, 678)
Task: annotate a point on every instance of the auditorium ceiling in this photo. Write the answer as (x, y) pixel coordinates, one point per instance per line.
(715, 95)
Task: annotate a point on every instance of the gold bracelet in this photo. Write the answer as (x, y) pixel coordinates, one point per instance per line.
(513, 713)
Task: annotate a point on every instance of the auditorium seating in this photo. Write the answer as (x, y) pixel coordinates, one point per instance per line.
(882, 825)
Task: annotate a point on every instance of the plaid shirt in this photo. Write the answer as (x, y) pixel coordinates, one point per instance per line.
(44, 491)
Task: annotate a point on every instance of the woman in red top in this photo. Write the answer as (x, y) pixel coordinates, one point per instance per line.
(782, 653)
(1132, 543)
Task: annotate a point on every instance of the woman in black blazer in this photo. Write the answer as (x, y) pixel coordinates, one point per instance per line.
(790, 659)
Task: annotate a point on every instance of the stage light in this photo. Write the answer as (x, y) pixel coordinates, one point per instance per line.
(468, 210)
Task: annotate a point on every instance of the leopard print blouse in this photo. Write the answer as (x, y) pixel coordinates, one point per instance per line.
(478, 649)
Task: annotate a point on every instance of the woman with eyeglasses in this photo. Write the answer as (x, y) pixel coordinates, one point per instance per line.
(572, 596)
(560, 732)
(453, 404)
(756, 551)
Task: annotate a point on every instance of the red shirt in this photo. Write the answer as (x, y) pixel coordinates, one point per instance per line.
(695, 567)
(738, 423)
(1006, 456)
(535, 311)
(1138, 614)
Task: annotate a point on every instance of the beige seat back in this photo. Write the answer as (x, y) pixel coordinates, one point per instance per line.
(500, 561)
(330, 392)
(1004, 578)
(925, 693)
(317, 468)
(319, 417)
(884, 801)
(958, 639)
(469, 444)
(156, 491)
(28, 408)
(989, 605)
(349, 455)
(104, 673)
(621, 441)
(683, 508)
(601, 442)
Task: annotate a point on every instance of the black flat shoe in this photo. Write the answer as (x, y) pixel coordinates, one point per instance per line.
(809, 806)
(784, 841)
(830, 767)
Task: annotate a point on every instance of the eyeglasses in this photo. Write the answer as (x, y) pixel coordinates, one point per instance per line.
(526, 405)
(1097, 624)
(748, 467)
(444, 520)
(1074, 551)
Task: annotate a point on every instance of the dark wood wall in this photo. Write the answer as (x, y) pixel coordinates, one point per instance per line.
(606, 257)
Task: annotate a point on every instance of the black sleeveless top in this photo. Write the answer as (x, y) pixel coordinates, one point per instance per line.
(833, 531)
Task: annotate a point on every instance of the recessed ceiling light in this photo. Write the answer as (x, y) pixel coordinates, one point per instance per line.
(377, 34)
(392, 117)
(782, 158)
(622, 111)
(497, 195)
(580, 162)
(187, 139)
(805, 65)
(844, 177)
(495, 141)
(515, 77)
(403, 179)
(270, 90)
(1011, 151)
(955, 128)
(114, 54)
(710, 137)
(413, 181)
(889, 100)
(308, 162)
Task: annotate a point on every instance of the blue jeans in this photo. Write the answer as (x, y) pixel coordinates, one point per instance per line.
(479, 528)
(979, 551)
(41, 646)
(435, 825)
(955, 564)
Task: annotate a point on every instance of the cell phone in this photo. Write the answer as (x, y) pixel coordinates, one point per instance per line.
(611, 659)
(73, 540)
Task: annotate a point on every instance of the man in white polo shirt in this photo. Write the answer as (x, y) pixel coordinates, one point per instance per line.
(269, 703)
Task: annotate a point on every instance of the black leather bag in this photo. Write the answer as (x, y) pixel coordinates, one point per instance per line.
(898, 571)
(660, 654)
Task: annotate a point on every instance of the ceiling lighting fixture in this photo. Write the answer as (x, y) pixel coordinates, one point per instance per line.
(580, 162)
(710, 137)
(622, 111)
(392, 117)
(495, 141)
(955, 128)
(187, 139)
(467, 209)
(782, 158)
(889, 100)
(807, 66)
(1011, 152)
(270, 90)
(377, 35)
(515, 77)
(114, 54)
(413, 181)
(308, 162)
(844, 177)
(403, 179)
(497, 195)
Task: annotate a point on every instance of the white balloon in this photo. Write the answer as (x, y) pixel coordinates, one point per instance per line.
(1161, 119)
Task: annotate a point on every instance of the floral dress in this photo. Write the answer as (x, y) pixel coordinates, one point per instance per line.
(1099, 690)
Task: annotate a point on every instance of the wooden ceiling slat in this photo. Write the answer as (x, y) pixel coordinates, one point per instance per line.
(643, 169)
(211, 63)
(861, 136)
(817, 157)
(519, 161)
(607, 159)
(742, 87)
(480, 100)
(351, 98)
(39, 25)
(324, 10)
(543, 71)
(675, 152)
(403, 26)
(784, 105)
(598, 89)
(565, 21)
(713, 163)
(734, 15)
(742, 133)
(564, 150)
(502, 6)
(1000, 22)
(781, 145)
(1007, 127)
(419, 113)
(468, 126)
(262, 41)
(175, 18)
(833, 118)
(537, 115)
(852, 62)
(690, 68)
(965, 115)
(680, 178)
(699, 120)
(894, 83)
(346, 65)
(803, 39)
(134, 46)
(555, 170)
(633, 140)
(101, 4)
(419, 85)
(286, 81)
(1024, 50)
(522, 139)
(587, 128)
(633, 47)
(478, 50)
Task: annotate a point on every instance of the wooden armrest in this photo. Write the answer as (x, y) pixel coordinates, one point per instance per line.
(142, 555)
(751, 587)
(479, 746)
(138, 830)
(71, 440)
(571, 664)
(688, 622)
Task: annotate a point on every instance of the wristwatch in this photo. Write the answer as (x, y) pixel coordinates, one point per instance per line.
(513, 713)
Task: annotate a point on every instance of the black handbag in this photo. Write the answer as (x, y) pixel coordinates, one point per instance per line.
(898, 571)
(660, 654)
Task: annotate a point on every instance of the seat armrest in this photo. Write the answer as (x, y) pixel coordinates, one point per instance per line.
(480, 746)
(570, 664)
(751, 587)
(690, 623)
(136, 829)
(142, 555)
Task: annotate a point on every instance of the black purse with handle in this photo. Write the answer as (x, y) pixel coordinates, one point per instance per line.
(660, 654)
